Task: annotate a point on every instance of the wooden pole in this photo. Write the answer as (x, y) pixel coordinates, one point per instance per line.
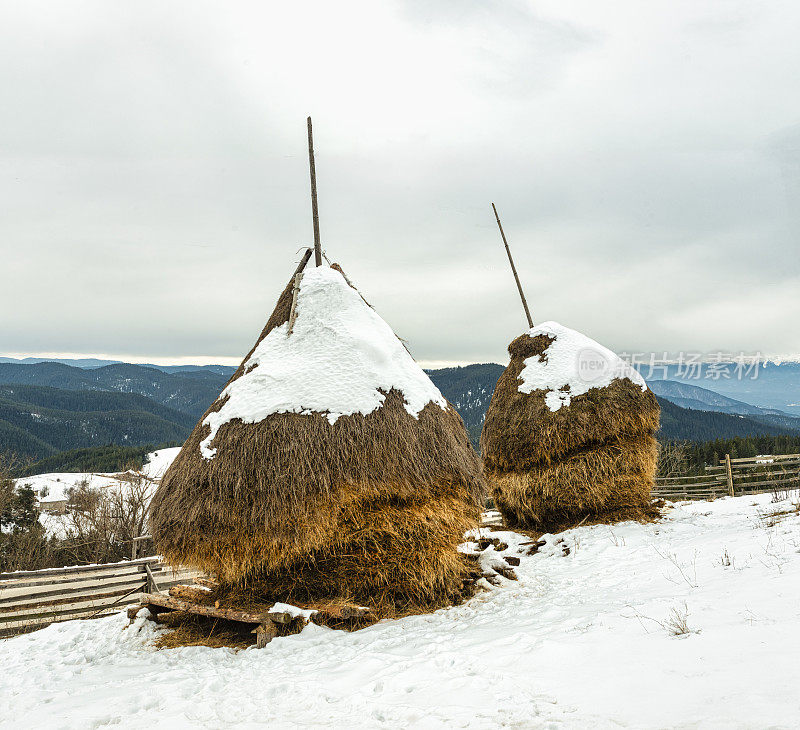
(152, 584)
(729, 474)
(315, 213)
(303, 262)
(513, 268)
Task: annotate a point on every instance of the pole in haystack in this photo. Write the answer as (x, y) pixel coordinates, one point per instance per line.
(508, 251)
(317, 246)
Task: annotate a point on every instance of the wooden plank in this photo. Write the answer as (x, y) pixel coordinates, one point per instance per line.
(20, 624)
(14, 596)
(777, 465)
(293, 309)
(690, 495)
(690, 487)
(165, 586)
(61, 592)
(88, 604)
(74, 569)
(152, 583)
(68, 600)
(775, 457)
(303, 262)
(174, 575)
(775, 484)
(676, 480)
(46, 583)
(661, 492)
(774, 475)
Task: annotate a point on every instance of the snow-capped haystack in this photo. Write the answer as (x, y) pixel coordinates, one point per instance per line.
(569, 432)
(330, 465)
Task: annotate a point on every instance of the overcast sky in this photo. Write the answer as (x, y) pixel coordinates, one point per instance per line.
(644, 157)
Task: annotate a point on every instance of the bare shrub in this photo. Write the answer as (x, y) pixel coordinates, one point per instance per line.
(673, 460)
(102, 523)
(677, 623)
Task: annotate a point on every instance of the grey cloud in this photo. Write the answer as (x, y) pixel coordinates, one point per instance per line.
(154, 177)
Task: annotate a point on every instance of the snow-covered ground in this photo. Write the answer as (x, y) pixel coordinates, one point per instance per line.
(582, 640)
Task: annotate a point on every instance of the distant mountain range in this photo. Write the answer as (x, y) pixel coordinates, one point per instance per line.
(189, 391)
(769, 386)
(48, 407)
(702, 399)
(89, 363)
(470, 389)
(38, 421)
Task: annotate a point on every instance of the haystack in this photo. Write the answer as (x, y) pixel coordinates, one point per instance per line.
(569, 433)
(329, 467)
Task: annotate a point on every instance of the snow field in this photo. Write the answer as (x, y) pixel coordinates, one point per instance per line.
(575, 643)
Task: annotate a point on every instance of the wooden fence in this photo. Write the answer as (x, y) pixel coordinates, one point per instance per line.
(735, 477)
(33, 599)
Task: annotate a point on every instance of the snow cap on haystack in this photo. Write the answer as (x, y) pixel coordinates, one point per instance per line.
(329, 458)
(569, 431)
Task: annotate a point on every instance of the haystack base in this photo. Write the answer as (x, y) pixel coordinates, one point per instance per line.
(613, 480)
(269, 623)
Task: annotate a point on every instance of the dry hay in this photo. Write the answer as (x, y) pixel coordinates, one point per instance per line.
(370, 506)
(187, 629)
(589, 461)
(612, 481)
(398, 559)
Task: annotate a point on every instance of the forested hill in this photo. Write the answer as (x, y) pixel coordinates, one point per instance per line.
(190, 391)
(39, 421)
(682, 424)
(469, 389)
(46, 408)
